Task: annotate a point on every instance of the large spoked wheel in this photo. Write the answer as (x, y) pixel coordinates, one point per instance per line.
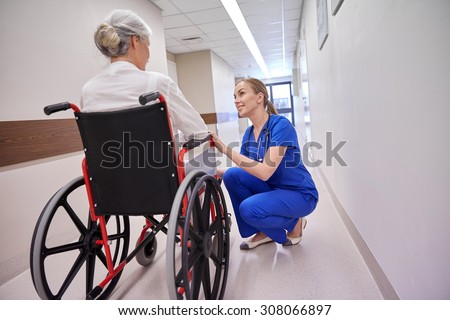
(65, 259)
(198, 240)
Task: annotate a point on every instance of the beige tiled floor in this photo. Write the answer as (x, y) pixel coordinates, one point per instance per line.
(326, 265)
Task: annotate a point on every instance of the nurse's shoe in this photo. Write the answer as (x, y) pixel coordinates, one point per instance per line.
(248, 244)
(290, 241)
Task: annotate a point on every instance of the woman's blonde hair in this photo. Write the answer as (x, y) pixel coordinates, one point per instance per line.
(259, 87)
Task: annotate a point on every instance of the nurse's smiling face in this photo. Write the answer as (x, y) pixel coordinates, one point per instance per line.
(246, 99)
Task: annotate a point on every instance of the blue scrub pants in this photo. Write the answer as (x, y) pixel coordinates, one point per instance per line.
(260, 207)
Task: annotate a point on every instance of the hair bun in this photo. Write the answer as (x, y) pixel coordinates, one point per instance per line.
(107, 39)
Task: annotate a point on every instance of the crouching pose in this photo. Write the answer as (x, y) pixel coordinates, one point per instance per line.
(270, 188)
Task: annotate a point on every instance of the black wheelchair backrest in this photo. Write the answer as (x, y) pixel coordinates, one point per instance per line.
(130, 160)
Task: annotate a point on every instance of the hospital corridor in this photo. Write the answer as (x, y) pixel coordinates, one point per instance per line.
(363, 84)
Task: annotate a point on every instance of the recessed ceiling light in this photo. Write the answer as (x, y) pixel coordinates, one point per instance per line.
(236, 15)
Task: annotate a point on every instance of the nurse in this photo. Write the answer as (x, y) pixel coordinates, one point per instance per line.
(270, 189)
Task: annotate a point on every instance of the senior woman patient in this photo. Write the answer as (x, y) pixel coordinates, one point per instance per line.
(271, 190)
(124, 38)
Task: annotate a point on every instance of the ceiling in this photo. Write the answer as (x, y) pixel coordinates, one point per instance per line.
(195, 25)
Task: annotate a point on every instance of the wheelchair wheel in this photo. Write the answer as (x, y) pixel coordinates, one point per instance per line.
(145, 256)
(64, 241)
(198, 267)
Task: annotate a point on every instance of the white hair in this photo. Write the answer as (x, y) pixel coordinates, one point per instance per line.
(112, 36)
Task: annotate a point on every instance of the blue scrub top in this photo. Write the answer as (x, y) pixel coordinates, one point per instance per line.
(291, 173)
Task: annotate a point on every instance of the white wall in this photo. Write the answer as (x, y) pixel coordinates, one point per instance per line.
(194, 72)
(207, 81)
(51, 52)
(223, 79)
(48, 53)
(381, 82)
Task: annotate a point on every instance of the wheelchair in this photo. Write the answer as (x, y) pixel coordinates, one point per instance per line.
(133, 167)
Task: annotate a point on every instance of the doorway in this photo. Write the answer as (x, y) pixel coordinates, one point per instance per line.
(280, 94)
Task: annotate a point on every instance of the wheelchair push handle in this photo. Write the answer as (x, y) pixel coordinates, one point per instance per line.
(62, 106)
(193, 143)
(147, 97)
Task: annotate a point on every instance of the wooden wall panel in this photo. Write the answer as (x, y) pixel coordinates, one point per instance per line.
(209, 118)
(27, 140)
(220, 117)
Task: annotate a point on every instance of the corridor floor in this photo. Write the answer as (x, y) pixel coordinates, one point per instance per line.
(326, 265)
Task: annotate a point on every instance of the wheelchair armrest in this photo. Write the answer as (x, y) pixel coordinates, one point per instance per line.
(191, 144)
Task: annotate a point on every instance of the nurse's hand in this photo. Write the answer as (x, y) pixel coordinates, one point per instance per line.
(218, 143)
(220, 172)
